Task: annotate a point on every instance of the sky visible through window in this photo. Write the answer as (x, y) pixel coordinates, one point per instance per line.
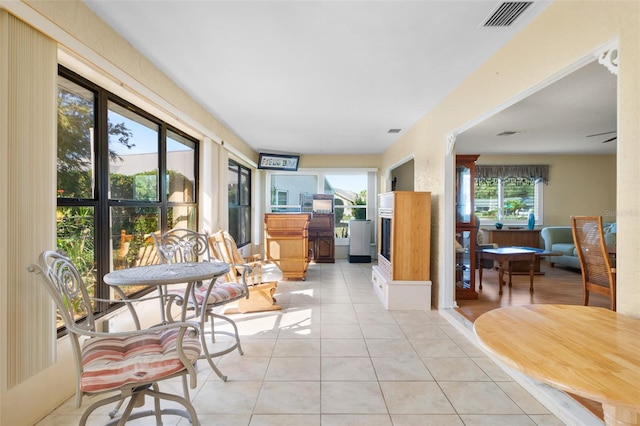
(144, 138)
(349, 182)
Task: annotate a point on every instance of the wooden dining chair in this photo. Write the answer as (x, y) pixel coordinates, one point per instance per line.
(598, 275)
(205, 297)
(113, 368)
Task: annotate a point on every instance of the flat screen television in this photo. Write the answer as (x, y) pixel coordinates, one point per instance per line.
(385, 238)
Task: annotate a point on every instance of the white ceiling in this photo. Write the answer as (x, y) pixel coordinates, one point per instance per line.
(558, 119)
(320, 77)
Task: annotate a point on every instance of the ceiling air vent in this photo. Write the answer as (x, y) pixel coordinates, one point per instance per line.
(394, 130)
(507, 13)
(508, 133)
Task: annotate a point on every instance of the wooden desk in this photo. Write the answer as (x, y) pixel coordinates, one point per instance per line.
(287, 242)
(505, 256)
(588, 351)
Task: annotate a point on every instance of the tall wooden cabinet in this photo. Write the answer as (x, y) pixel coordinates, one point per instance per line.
(287, 242)
(466, 240)
(321, 239)
(402, 276)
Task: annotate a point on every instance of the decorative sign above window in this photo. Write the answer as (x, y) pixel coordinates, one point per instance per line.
(278, 162)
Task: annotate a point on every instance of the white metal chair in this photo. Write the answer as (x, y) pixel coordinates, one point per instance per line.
(128, 363)
(194, 246)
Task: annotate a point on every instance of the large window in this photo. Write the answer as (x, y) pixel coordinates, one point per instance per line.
(239, 181)
(508, 194)
(122, 174)
(352, 191)
(350, 199)
(287, 188)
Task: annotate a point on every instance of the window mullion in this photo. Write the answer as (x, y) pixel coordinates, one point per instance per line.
(163, 178)
(500, 200)
(101, 138)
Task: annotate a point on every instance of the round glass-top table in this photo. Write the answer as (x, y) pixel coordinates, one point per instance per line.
(161, 274)
(165, 274)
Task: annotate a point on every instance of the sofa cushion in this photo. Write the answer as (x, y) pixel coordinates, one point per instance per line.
(568, 249)
(610, 238)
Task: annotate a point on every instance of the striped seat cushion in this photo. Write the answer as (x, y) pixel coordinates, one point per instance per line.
(111, 362)
(222, 292)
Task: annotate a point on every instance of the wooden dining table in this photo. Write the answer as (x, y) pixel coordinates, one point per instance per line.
(588, 351)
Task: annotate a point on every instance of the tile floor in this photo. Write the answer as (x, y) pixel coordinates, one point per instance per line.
(335, 356)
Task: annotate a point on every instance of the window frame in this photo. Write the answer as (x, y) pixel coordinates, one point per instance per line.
(538, 202)
(279, 195)
(101, 202)
(320, 174)
(242, 205)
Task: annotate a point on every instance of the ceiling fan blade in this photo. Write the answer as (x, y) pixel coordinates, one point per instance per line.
(610, 139)
(600, 134)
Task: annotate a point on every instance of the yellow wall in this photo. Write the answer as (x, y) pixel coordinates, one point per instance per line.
(566, 32)
(578, 185)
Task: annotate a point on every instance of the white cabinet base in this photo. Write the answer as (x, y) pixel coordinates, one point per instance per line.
(401, 295)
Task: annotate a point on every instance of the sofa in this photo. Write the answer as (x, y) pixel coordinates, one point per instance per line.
(559, 239)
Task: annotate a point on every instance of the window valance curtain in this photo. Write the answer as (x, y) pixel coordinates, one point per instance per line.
(519, 175)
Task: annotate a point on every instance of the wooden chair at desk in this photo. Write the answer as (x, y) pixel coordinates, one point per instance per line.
(597, 274)
(262, 278)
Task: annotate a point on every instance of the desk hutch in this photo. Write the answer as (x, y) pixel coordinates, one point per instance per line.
(321, 239)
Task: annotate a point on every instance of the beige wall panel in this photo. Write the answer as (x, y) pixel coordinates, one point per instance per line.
(28, 356)
(405, 177)
(339, 161)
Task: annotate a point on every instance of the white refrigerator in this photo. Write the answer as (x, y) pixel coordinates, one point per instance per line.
(359, 241)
